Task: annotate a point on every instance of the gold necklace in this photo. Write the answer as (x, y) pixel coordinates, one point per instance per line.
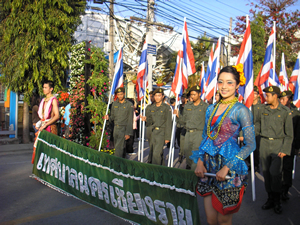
(228, 102)
(47, 98)
(232, 102)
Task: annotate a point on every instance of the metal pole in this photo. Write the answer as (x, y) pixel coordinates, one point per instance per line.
(103, 128)
(252, 155)
(111, 38)
(140, 131)
(294, 167)
(150, 18)
(16, 117)
(171, 150)
(143, 131)
(274, 60)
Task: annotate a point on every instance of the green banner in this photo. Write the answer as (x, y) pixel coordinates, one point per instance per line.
(139, 192)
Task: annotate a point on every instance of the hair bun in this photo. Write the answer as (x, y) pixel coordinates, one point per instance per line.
(240, 69)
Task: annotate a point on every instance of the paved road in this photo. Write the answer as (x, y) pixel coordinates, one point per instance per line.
(24, 200)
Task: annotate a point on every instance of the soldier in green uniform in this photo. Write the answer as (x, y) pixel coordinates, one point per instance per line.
(149, 125)
(256, 106)
(121, 114)
(286, 98)
(276, 131)
(180, 131)
(193, 119)
(159, 118)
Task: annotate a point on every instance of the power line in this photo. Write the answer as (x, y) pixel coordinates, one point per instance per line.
(231, 7)
(215, 18)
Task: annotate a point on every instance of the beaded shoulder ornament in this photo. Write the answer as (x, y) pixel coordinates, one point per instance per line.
(231, 102)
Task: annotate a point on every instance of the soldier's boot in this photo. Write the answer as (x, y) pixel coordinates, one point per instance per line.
(180, 158)
(284, 194)
(277, 203)
(270, 202)
(188, 167)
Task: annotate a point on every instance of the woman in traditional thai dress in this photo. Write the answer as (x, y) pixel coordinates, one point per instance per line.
(219, 152)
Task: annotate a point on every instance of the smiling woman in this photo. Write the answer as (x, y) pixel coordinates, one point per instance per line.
(219, 152)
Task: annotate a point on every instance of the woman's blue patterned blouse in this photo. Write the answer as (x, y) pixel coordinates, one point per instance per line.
(239, 118)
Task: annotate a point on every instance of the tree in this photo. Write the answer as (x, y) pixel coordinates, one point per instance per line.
(35, 38)
(287, 24)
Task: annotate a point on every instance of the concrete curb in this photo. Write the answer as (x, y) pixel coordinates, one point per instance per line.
(16, 147)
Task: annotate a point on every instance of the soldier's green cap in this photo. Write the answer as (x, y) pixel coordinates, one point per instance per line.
(272, 89)
(256, 89)
(158, 90)
(120, 89)
(286, 93)
(184, 96)
(195, 88)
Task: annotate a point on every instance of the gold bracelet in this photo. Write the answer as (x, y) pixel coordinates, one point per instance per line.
(239, 157)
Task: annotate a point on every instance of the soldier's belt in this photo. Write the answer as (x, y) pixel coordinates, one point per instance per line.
(192, 130)
(271, 139)
(117, 125)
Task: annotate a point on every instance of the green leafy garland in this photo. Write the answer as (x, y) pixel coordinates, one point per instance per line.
(97, 100)
(77, 93)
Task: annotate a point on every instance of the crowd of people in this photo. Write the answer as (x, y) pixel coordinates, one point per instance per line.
(215, 138)
(218, 139)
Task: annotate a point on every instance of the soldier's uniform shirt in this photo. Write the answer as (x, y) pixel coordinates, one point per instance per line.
(161, 125)
(193, 119)
(255, 112)
(288, 161)
(276, 131)
(122, 116)
(180, 131)
(149, 130)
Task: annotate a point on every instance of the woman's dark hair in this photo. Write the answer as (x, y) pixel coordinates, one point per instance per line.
(233, 71)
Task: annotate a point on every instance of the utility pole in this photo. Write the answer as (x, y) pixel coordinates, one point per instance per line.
(111, 39)
(149, 38)
(229, 40)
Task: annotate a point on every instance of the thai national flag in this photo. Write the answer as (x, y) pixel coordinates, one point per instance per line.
(118, 77)
(202, 77)
(245, 57)
(207, 74)
(273, 78)
(212, 83)
(142, 75)
(295, 75)
(283, 78)
(185, 64)
(263, 80)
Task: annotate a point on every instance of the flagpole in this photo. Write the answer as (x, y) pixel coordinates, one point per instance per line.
(143, 125)
(140, 131)
(251, 155)
(171, 150)
(103, 128)
(274, 60)
(174, 137)
(104, 124)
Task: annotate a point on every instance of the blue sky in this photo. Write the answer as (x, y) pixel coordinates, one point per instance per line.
(209, 16)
